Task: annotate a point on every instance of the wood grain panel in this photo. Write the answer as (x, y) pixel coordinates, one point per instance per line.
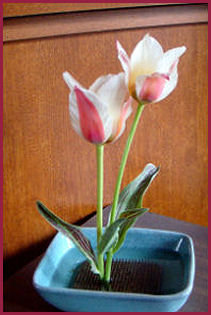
(76, 23)
(44, 158)
(22, 9)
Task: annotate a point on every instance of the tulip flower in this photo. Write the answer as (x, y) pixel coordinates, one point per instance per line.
(151, 74)
(99, 113)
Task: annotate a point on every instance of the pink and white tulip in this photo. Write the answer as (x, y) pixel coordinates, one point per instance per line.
(151, 75)
(99, 113)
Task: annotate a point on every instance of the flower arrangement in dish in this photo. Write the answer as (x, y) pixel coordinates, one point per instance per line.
(99, 114)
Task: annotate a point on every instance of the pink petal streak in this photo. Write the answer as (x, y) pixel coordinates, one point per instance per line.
(90, 121)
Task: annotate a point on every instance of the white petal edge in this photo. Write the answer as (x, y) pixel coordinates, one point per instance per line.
(70, 81)
(97, 84)
(74, 114)
(169, 58)
(124, 60)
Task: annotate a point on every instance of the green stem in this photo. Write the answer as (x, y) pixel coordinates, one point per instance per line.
(100, 150)
(119, 182)
(124, 160)
(139, 204)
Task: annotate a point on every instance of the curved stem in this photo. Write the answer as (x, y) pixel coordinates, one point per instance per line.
(100, 151)
(119, 182)
(124, 160)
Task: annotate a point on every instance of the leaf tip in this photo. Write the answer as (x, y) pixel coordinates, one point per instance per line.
(38, 203)
(42, 208)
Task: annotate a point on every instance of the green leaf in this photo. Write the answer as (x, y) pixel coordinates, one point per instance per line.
(133, 213)
(130, 217)
(72, 232)
(131, 195)
(130, 201)
(109, 237)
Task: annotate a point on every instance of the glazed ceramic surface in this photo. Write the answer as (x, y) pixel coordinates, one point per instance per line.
(173, 251)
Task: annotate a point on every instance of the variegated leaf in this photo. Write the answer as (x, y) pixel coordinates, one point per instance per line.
(110, 236)
(72, 232)
(130, 217)
(133, 193)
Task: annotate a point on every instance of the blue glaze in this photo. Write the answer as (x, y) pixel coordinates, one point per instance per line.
(174, 251)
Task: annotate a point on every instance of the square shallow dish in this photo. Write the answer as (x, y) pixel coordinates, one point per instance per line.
(174, 252)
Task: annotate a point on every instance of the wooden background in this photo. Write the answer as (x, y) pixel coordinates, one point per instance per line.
(43, 157)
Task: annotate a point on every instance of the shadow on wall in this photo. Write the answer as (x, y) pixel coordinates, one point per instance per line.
(15, 262)
(23, 257)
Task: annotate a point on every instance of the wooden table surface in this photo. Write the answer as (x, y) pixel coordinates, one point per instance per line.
(20, 296)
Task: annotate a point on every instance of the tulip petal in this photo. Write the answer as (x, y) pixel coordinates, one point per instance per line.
(96, 114)
(150, 88)
(170, 84)
(121, 124)
(74, 114)
(169, 59)
(101, 109)
(93, 117)
(90, 121)
(70, 81)
(170, 62)
(111, 90)
(145, 57)
(96, 86)
(124, 60)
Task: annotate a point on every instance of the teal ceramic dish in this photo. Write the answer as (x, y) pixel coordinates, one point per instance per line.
(173, 251)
